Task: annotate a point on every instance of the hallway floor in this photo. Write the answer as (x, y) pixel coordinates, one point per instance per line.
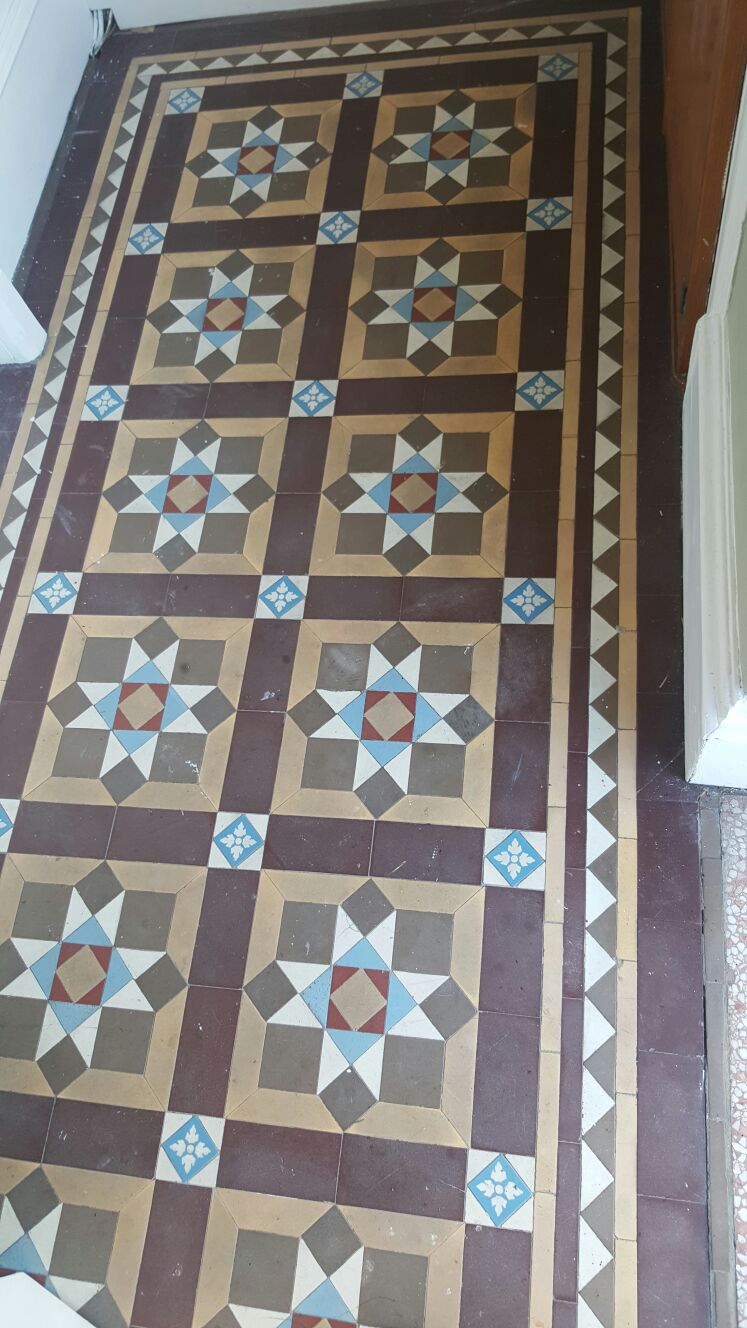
(330, 856)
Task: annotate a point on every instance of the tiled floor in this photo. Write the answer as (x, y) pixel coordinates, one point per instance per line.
(323, 817)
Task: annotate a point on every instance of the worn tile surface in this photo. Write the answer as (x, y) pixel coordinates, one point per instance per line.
(317, 736)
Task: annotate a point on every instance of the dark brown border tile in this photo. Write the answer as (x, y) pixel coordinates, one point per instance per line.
(95, 1136)
(270, 1159)
(167, 1284)
(424, 1179)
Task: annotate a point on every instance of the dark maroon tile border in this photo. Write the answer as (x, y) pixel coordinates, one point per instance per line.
(425, 1179)
(269, 1159)
(24, 1123)
(98, 1137)
(170, 1268)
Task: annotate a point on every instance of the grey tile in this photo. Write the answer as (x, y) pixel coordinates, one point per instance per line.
(122, 1040)
(263, 1271)
(329, 765)
(446, 669)
(347, 1098)
(436, 770)
(412, 1072)
(343, 667)
(307, 932)
(42, 910)
(290, 1058)
(367, 907)
(448, 1008)
(393, 1289)
(145, 920)
(161, 983)
(20, 1025)
(62, 1065)
(331, 1241)
(33, 1199)
(84, 1243)
(270, 990)
(422, 942)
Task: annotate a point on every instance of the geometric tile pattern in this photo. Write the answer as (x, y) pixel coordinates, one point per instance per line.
(390, 719)
(514, 858)
(595, 1274)
(55, 592)
(65, 1247)
(137, 710)
(528, 600)
(366, 1017)
(233, 315)
(459, 144)
(190, 1149)
(435, 306)
(187, 496)
(238, 841)
(422, 492)
(83, 975)
(267, 158)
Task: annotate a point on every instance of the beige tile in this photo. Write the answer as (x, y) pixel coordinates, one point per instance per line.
(627, 902)
(548, 1107)
(552, 986)
(627, 978)
(543, 1243)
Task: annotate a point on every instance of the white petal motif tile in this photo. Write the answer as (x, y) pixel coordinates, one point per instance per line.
(313, 397)
(8, 813)
(55, 592)
(338, 227)
(514, 859)
(190, 1149)
(147, 237)
(528, 599)
(499, 1190)
(238, 841)
(105, 402)
(281, 596)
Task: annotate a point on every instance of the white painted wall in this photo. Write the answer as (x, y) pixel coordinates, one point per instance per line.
(715, 505)
(141, 13)
(44, 47)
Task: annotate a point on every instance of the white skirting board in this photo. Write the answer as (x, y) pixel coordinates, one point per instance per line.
(23, 1303)
(139, 13)
(715, 704)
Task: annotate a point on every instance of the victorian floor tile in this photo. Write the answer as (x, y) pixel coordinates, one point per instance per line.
(317, 725)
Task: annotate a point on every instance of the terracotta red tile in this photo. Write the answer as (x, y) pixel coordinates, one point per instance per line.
(291, 533)
(671, 1127)
(161, 835)
(504, 1114)
(451, 599)
(672, 1236)
(167, 1284)
(252, 761)
(424, 1179)
(270, 1159)
(520, 760)
(59, 829)
(427, 852)
(98, 1137)
(269, 665)
(301, 843)
(495, 1278)
(566, 1221)
(512, 952)
(203, 1061)
(362, 598)
(525, 673)
(24, 1122)
(222, 942)
(670, 987)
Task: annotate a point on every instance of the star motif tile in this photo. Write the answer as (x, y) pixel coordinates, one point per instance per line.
(281, 597)
(528, 600)
(325, 1269)
(515, 859)
(190, 1149)
(549, 214)
(105, 403)
(499, 1190)
(358, 1004)
(439, 307)
(338, 227)
(200, 498)
(238, 316)
(238, 841)
(460, 146)
(395, 719)
(272, 160)
(420, 496)
(137, 715)
(147, 237)
(64, 1237)
(541, 390)
(55, 592)
(88, 973)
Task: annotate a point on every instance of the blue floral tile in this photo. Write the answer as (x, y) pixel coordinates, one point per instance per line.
(338, 227)
(549, 214)
(190, 1149)
(147, 237)
(314, 397)
(556, 67)
(539, 389)
(367, 83)
(184, 101)
(55, 592)
(238, 841)
(105, 403)
(514, 859)
(8, 813)
(528, 600)
(500, 1190)
(282, 597)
